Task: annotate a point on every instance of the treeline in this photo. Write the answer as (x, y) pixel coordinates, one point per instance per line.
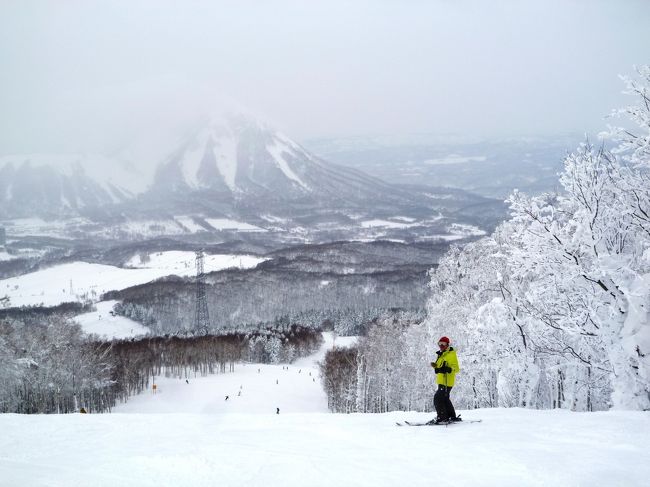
(138, 362)
(377, 374)
(50, 366)
(33, 313)
(344, 321)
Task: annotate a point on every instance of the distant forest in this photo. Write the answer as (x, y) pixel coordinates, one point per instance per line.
(48, 365)
(335, 290)
(271, 314)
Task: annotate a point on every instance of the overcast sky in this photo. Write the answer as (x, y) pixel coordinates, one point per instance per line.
(84, 75)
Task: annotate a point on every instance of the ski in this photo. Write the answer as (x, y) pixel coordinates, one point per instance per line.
(406, 423)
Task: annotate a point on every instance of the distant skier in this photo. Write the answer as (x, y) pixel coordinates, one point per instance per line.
(277, 410)
(446, 367)
(227, 397)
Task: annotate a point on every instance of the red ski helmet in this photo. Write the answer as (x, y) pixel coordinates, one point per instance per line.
(444, 339)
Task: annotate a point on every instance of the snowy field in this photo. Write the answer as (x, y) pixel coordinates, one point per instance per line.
(227, 224)
(77, 281)
(188, 434)
(100, 322)
(4, 255)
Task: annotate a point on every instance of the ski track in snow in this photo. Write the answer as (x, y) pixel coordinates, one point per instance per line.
(189, 435)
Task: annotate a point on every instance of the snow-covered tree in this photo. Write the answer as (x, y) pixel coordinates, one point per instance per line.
(552, 310)
(588, 252)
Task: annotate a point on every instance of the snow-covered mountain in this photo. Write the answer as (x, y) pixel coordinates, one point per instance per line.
(56, 184)
(232, 157)
(244, 159)
(227, 168)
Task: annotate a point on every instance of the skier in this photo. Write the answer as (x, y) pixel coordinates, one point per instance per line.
(446, 367)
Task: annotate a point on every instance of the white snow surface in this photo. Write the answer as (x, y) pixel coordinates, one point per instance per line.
(225, 152)
(35, 226)
(191, 159)
(386, 224)
(189, 223)
(278, 150)
(51, 286)
(142, 228)
(4, 255)
(466, 230)
(187, 434)
(223, 144)
(101, 323)
(227, 224)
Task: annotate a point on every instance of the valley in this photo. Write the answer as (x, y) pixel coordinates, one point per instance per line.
(328, 245)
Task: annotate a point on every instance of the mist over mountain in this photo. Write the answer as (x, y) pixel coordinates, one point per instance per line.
(228, 173)
(490, 167)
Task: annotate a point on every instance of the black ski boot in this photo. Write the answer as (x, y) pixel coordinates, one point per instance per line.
(436, 421)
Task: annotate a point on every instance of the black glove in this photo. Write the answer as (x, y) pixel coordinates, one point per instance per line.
(438, 370)
(445, 370)
(433, 364)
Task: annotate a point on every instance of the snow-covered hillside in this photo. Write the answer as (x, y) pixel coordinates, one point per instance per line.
(252, 389)
(226, 174)
(236, 154)
(104, 323)
(78, 281)
(188, 434)
(233, 155)
(510, 448)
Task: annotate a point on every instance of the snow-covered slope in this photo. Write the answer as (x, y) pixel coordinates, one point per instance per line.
(80, 281)
(244, 158)
(104, 323)
(233, 154)
(202, 439)
(252, 389)
(235, 158)
(223, 168)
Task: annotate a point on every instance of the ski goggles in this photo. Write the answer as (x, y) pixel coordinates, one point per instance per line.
(443, 344)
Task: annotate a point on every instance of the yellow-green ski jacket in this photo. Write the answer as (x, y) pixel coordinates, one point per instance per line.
(448, 358)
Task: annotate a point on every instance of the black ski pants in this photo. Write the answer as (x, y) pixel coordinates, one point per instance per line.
(444, 407)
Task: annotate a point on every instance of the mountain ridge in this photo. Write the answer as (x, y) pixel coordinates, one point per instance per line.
(231, 173)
